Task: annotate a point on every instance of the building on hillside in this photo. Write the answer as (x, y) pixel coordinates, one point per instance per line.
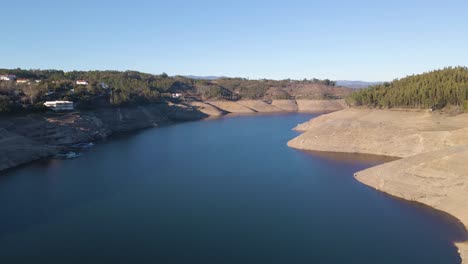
(176, 95)
(81, 82)
(7, 77)
(22, 81)
(104, 86)
(59, 105)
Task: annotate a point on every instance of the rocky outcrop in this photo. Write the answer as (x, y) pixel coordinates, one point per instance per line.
(16, 149)
(433, 148)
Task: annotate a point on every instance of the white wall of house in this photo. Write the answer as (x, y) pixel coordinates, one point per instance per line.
(7, 77)
(81, 82)
(60, 105)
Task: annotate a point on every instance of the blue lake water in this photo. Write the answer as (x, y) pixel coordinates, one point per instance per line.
(219, 191)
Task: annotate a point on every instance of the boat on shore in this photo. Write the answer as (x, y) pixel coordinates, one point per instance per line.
(85, 145)
(69, 155)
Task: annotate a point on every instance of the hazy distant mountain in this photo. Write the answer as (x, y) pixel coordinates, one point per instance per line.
(344, 83)
(210, 78)
(356, 84)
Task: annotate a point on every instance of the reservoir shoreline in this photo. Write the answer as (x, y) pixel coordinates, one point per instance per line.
(354, 131)
(28, 138)
(169, 140)
(430, 151)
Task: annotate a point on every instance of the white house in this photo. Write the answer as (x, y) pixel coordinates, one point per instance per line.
(176, 95)
(60, 105)
(7, 77)
(22, 81)
(81, 82)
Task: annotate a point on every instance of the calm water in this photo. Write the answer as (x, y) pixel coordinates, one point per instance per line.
(220, 191)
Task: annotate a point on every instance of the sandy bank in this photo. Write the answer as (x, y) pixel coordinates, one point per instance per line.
(381, 132)
(434, 148)
(258, 106)
(207, 108)
(230, 107)
(314, 106)
(438, 179)
(286, 105)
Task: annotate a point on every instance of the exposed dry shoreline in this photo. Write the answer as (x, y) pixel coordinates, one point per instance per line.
(276, 106)
(24, 139)
(31, 137)
(432, 147)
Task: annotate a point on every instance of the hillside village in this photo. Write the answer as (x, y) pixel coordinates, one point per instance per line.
(37, 90)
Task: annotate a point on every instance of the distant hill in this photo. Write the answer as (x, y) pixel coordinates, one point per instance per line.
(283, 89)
(436, 90)
(95, 89)
(209, 78)
(356, 84)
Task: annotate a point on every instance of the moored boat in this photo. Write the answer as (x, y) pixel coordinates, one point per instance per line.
(69, 155)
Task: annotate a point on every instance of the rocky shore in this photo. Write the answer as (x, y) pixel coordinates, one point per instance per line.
(35, 136)
(258, 106)
(31, 137)
(432, 147)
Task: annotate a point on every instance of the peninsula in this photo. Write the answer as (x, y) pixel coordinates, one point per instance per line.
(420, 120)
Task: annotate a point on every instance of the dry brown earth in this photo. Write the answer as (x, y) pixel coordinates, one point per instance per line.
(433, 148)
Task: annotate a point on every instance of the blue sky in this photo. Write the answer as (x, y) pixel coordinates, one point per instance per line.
(335, 39)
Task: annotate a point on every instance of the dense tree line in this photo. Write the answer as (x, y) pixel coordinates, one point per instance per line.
(435, 90)
(104, 88)
(116, 88)
(256, 89)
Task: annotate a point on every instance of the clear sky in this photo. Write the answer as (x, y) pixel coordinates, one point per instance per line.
(356, 40)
